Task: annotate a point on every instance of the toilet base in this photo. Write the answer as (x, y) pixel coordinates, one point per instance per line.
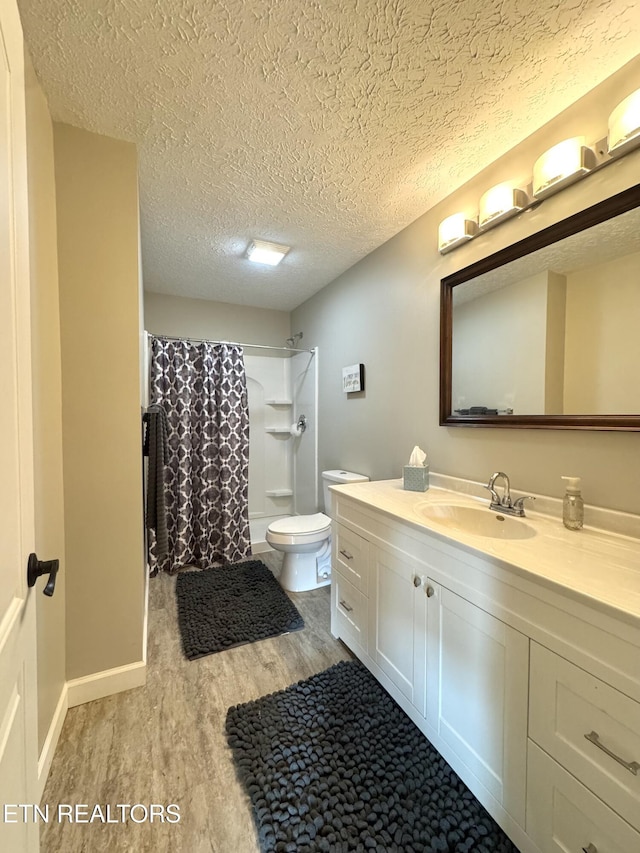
(303, 572)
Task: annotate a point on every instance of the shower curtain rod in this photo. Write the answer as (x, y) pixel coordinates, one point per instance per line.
(229, 343)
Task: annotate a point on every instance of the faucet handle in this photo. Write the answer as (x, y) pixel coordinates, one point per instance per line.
(495, 499)
(518, 504)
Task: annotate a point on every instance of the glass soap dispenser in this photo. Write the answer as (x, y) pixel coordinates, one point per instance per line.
(573, 505)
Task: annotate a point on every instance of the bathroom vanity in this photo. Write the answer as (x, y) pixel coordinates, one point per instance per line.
(513, 644)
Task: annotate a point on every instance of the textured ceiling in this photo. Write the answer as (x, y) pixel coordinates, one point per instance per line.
(328, 125)
(596, 245)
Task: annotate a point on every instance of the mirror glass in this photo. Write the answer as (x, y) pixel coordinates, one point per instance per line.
(547, 332)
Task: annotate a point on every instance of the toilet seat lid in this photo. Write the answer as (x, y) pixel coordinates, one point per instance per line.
(301, 524)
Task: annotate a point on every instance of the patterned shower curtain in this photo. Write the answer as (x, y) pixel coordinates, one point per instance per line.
(203, 392)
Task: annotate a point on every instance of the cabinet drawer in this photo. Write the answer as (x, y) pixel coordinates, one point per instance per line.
(562, 815)
(351, 557)
(350, 613)
(567, 705)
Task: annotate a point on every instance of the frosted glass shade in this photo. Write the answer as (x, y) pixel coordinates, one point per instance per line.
(624, 125)
(499, 203)
(454, 230)
(561, 165)
(263, 252)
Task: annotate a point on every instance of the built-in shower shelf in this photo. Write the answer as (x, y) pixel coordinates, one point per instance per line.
(278, 403)
(279, 493)
(278, 430)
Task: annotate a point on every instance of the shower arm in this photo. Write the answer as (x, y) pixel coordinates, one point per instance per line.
(294, 340)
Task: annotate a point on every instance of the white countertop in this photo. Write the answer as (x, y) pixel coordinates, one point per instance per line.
(594, 565)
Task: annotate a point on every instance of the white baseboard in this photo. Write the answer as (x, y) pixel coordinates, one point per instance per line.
(105, 683)
(77, 692)
(51, 741)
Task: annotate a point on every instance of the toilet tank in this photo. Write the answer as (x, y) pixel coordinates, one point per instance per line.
(332, 478)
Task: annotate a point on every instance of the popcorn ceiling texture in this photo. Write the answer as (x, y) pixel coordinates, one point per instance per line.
(599, 244)
(328, 126)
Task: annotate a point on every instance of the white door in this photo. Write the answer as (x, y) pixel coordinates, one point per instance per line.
(18, 710)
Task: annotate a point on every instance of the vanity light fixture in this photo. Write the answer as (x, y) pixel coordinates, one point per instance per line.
(562, 165)
(624, 125)
(499, 203)
(263, 252)
(454, 230)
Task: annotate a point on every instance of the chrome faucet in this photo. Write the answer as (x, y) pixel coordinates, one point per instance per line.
(504, 503)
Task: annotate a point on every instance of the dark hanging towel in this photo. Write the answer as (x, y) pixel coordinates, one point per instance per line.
(156, 447)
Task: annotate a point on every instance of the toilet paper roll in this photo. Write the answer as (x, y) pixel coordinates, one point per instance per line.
(295, 431)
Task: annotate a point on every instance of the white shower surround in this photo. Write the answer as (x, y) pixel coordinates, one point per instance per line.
(280, 389)
(304, 385)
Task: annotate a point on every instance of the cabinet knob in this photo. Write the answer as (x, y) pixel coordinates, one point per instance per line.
(430, 591)
(590, 848)
(417, 581)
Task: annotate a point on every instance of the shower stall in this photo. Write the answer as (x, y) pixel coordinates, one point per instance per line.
(282, 390)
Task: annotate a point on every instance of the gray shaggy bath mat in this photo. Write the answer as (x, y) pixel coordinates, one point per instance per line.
(232, 605)
(333, 764)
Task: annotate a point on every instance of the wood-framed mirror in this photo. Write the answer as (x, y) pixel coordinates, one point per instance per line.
(546, 333)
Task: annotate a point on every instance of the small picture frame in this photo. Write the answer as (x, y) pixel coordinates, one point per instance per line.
(353, 378)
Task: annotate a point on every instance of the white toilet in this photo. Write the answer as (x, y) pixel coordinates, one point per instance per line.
(305, 540)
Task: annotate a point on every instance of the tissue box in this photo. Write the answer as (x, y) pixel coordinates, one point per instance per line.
(416, 478)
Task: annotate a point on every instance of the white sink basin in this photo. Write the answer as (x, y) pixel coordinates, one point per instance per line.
(479, 521)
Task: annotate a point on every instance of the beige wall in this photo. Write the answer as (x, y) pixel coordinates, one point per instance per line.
(47, 404)
(384, 312)
(554, 378)
(510, 320)
(524, 320)
(97, 212)
(603, 340)
(201, 318)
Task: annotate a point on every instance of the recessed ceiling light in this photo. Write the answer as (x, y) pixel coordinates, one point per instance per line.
(263, 252)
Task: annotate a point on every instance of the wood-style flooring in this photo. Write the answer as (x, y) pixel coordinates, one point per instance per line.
(164, 743)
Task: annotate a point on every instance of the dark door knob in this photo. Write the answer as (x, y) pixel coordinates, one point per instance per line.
(36, 568)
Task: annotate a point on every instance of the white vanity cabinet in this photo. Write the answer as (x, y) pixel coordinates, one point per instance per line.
(503, 674)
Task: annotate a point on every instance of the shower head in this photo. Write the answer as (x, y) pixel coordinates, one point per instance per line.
(294, 340)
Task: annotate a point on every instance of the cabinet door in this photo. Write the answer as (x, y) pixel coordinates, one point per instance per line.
(477, 694)
(398, 621)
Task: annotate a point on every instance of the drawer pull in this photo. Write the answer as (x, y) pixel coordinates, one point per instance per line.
(631, 766)
(346, 606)
(346, 555)
(590, 848)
